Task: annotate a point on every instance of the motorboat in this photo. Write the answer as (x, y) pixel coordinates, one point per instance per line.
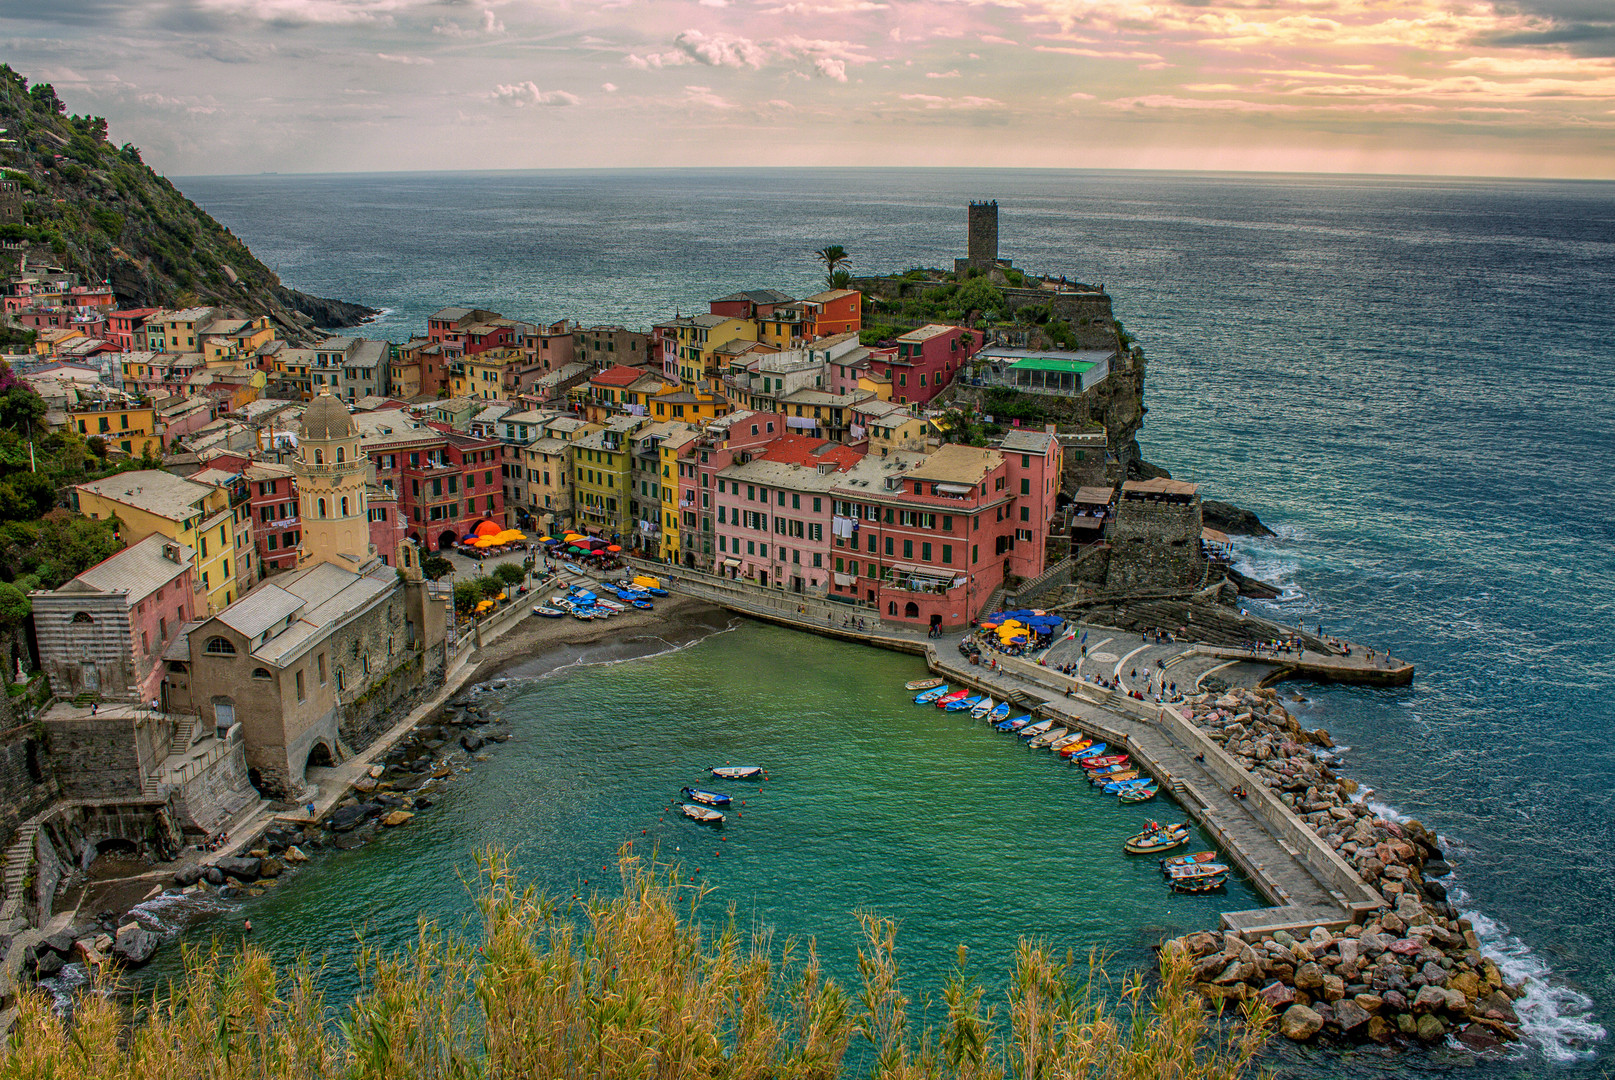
(706, 798)
(704, 814)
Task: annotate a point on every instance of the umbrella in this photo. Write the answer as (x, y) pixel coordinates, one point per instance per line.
(546, 539)
(486, 542)
(577, 550)
(484, 605)
(614, 547)
(488, 528)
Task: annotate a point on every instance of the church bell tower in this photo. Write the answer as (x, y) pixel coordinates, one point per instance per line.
(331, 472)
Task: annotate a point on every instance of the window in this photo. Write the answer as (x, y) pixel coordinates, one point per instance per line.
(947, 553)
(320, 660)
(1026, 487)
(300, 695)
(344, 506)
(1026, 513)
(925, 552)
(947, 522)
(218, 646)
(888, 545)
(975, 553)
(260, 673)
(322, 513)
(908, 549)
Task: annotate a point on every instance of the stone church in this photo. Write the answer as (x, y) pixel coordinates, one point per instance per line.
(308, 663)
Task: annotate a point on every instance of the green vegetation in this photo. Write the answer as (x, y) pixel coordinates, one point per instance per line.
(434, 566)
(967, 427)
(100, 212)
(835, 259)
(509, 574)
(633, 986)
(976, 299)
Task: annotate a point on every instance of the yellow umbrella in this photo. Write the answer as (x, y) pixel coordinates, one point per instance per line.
(484, 542)
(512, 535)
(484, 605)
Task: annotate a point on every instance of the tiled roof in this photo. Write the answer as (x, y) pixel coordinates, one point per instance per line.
(152, 490)
(139, 570)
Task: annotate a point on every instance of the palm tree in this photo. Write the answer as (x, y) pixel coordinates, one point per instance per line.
(833, 257)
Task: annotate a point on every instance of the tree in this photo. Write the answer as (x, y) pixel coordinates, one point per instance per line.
(490, 587)
(834, 258)
(14, 606)
(434, 566)
(509, 573)
(466, 595)
(98, 447)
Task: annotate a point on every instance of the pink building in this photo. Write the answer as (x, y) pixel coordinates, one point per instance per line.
(1034, 477)
(774, 512)
(927, 360)
(276, 528)
(699, 463)
(386, 523)
(104, 632)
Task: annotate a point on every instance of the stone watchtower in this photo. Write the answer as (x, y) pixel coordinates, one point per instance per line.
(983, 249)
(331, 471)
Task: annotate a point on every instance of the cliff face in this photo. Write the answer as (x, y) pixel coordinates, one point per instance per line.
(97, 209)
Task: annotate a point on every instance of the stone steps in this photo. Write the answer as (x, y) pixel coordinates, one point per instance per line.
(184, 735)
(19, 857)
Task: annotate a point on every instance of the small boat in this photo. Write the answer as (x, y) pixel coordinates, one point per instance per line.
(1000, 711)
(950, 697)
(963, 704)
(706, 798)
(1104, 770)
(1185, 860)
(1103, 762)
(983, 707)
(1078, 751)
(1066, 740)
(610, 605)
(1047, 738)
(1139, 794)
(1015, 724)
(930, 695)
(1197, 870)
(922, 684)
(643, 605)
(704, 814)
(737, 772)
(1200, 885)
(1116, 787)
(1156, 839)
(1032, 731)
(548, 612)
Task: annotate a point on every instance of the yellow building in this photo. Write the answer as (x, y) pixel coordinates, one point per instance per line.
(673, 491)
(177, 331)
(128, 428)
(602, 479)
(691, 406)
(48, 340)
(151, 501)
(699, 338)
(786, 327)
(484, 375)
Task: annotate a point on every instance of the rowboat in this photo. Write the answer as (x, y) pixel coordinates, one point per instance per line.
(1200, 885)
(1159, 838)
(1000, 711)
(1031, 731)
(1139, 794)
(922, 684)
(1015, 724)
(1078, 751)
(706, 798)
(963, 704)
(949, 698)
(930, 695)
(1102, 762)
(1105, 770)
(704, 814)
(643, 605)
(1185, 860)
(1066, 740)
(983, 707)
(1196, 870)
(737, 772)
(1047, 738)
(1117, 786)
(548, 612)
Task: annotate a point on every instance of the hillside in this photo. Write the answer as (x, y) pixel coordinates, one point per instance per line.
(98, 210)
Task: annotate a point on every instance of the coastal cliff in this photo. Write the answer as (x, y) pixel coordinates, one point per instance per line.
(98, 210)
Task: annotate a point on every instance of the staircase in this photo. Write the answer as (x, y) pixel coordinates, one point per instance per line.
(19, 857)
(184, 735)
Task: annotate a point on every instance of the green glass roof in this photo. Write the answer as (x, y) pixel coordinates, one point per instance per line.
(1047, 363)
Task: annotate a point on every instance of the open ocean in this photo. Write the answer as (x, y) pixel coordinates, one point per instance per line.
(1411, 380)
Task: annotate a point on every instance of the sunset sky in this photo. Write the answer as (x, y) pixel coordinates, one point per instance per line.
(1521, 88)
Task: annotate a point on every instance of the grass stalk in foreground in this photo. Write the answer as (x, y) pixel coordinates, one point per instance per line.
(629, 987)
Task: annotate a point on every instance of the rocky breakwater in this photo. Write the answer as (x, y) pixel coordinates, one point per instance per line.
(1413, 971)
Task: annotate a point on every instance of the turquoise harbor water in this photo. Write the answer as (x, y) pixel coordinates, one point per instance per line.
(1411, 380)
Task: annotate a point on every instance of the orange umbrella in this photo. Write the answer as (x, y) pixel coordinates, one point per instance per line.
(487, 528)
(613, 547)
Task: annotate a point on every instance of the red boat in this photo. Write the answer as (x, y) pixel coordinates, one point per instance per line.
(1101, 762)
(948, 699)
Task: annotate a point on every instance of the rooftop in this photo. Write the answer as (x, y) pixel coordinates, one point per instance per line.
(926, 332)
(831, 294)
(618, 375)
(1161, 485)
(138, 570)
(152, 490)
(756, 296)
(955, 464)
(1027, 441)
(1075, 362)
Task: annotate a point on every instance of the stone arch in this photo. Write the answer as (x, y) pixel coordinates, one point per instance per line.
(911, 610)
(219, 646)
(320, 756)
(261, 673)
(322, 508)
(82, 617)
(116, 846)
(344, 506)
(341, 454)
(445, 542)
(319, 457)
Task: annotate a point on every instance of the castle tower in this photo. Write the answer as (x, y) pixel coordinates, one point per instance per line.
(983, 249)
(331, 471)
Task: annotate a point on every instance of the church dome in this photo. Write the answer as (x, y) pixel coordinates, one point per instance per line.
(327, 418)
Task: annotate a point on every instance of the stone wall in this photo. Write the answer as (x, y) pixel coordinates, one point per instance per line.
(369, 716)
(106, 756)
(27, 779)
(1155, 545)
(1083, 460)
(213, 786)
(83, 642)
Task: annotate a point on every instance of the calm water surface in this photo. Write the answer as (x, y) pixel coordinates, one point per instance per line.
(1412, 380)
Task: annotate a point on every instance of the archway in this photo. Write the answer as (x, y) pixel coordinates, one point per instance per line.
(117, 847)
(319, 757)
(445, 542)
(255, 778)
(911, 610)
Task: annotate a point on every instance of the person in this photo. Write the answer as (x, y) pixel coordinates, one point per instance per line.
(94, 705)
(247, 926)
(1201, 757)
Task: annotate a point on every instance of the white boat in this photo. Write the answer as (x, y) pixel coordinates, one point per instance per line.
(1047, 738)
(983, 707)
(1032, 731)
(1066, 740)
(704, 814)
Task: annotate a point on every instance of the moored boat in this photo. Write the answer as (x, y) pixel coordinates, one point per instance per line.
(704, 814)
(1200, 885)
(643, 605)
(1104, 770)
(931, 695)
(1032, 731)
(1139, 794)
(922, 684)
(1196, 870)
(1157, 838)
(1102, 762)
(1000, 711)
(983, 707)
(1119, 785)
(737, 772)
(950, 697)
(1046, 739)
(1015, 724)
(963, 704)
(1078, 751)
(1185, 860)
(1066, 740)
(548, 612)
(706, 798)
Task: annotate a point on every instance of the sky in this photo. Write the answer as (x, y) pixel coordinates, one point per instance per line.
(1466, 87)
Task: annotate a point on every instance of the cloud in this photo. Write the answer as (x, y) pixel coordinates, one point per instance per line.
(818, 57)
(523, 94)
(703, 95)
(721, 50)
(396, 58)
(934, 101)
(954, 74)
(489, 25)
(609, 87)
(293, 13)
(831, 68)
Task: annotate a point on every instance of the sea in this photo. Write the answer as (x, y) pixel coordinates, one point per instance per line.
(1410, 380)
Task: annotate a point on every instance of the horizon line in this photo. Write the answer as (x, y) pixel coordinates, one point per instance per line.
(647, 169)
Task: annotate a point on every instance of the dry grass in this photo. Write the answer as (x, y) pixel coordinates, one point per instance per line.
(630, 987)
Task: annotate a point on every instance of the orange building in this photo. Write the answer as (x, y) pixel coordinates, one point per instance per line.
(835, 312)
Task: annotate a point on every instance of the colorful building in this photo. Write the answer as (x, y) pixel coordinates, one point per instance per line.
(837, 311)
(927, 360)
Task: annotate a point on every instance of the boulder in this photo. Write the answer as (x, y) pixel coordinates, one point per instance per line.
(1350, 1016)
(348, 841)
(348, 817)
(1395, 1000)
(1300, 1023)
(188, 876)
(471, 742)
(1380, 1029)
(1334, 988)
(365, 784)
(271, 868)
(1308, 976)
(135, 944)
(1430, 1028)
(396, 818)
(60, 942)
(1497, 1006)
(1477, 1040)
(242, 869)
(294, 854)
(48, 963)
(1278, 996)
(1429, 998)
(1407, 947)
(1369, 1002)
(1466, 983)
(1349, 950)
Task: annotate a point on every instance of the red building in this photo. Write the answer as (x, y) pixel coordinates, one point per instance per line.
(276, 529)
(386, 523)
(446, 484)
(927, 360)
(127, 328)
(751, 304)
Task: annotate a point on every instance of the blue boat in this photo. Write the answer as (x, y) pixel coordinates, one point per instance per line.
(1000, 711)
(643, 605)
(709, 798)
(963, 703)
(925, 697)
(1015, 724)
(1126, 785)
